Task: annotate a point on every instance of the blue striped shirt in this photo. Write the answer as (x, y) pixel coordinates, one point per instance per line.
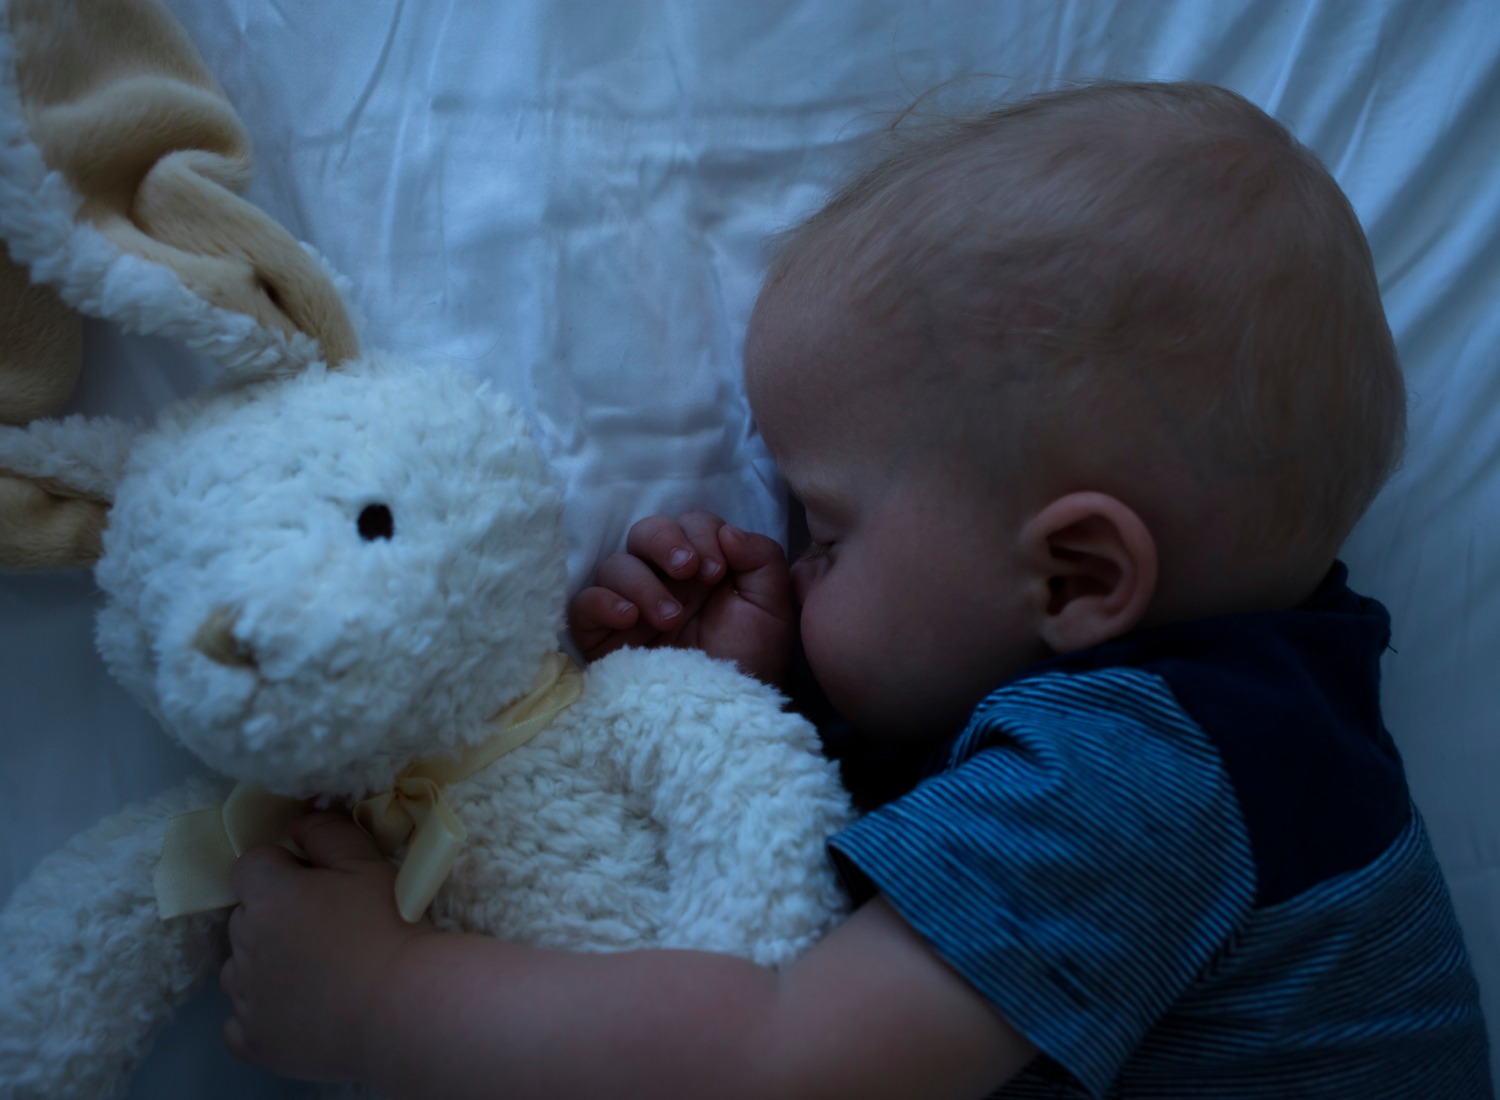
(1185, 864)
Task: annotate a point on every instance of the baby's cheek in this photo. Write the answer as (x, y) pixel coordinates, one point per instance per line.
(807, 572)
(837, 647)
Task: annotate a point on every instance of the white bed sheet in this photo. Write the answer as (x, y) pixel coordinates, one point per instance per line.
(571, 199)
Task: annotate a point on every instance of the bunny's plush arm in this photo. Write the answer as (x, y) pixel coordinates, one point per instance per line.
(88, 969)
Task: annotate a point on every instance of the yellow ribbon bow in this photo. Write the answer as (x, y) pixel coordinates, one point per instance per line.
(199, 849)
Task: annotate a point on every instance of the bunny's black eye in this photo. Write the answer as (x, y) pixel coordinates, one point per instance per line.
(376, 522)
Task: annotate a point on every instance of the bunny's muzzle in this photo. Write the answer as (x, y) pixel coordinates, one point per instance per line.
(215, 639)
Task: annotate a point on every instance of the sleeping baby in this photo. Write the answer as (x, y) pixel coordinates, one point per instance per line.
(1080, 398)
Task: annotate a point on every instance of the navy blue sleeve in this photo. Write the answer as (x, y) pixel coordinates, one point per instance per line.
(1079, 864)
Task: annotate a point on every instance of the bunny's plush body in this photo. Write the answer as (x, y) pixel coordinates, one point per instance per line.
(341, 583)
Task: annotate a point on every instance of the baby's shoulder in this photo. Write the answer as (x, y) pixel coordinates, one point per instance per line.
(1316, 781)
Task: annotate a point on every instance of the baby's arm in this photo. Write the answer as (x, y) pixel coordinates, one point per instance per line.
(328, 983)
(697, 582)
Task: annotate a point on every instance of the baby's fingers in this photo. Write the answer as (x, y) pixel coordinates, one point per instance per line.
(684, 548)
(634, 581)
(703, 529)
(761, 573)
(596, 615)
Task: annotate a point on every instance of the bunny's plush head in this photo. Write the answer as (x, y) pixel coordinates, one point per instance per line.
(314, 580)
(314, 574)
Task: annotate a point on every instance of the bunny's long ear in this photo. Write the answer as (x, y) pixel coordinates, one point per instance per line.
(57, 478)
(119, 162)
(41, 344)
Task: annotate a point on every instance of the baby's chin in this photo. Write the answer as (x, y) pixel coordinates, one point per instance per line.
(899, 723)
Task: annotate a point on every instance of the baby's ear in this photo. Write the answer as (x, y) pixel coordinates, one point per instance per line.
(1098, 560)
(57, 478)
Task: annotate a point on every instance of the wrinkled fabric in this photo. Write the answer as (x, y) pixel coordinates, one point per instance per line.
(574, 198)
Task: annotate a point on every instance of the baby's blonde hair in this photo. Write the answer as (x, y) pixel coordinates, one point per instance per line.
(1162, 259)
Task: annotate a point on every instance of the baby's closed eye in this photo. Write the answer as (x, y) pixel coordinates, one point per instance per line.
(814, 552)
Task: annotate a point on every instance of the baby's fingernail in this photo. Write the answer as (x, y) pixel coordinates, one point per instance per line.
(734, 531)
(624, 607)
(668, 609)
(710, 569)
(680, 557)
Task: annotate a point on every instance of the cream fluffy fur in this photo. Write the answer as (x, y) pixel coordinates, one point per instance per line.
(676, 803)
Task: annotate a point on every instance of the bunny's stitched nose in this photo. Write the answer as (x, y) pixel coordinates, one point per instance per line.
(215, 640)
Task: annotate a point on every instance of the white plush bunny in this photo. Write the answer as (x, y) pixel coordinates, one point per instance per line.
(346, 583)
(318, 581)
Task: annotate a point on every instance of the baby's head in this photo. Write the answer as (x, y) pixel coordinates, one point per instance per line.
(1128, 335)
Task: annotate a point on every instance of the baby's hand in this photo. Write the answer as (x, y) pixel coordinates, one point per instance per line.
(309, 947)
(694, 582)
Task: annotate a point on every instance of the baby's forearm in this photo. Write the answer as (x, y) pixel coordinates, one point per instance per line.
(328, 982)
(869, 1011)
(467, 1016)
